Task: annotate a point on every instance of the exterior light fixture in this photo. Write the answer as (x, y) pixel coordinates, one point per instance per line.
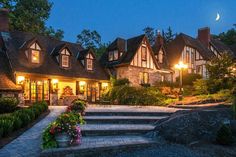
(181, 66)
(55, 81)
(20, 79)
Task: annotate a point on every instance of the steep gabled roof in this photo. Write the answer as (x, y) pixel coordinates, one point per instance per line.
(14, 40)
(175, 48)
(221, 47)
(129, 48)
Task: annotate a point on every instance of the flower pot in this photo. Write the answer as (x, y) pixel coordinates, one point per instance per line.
(63, 139)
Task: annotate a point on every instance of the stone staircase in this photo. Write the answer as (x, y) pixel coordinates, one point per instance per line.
(113, 131)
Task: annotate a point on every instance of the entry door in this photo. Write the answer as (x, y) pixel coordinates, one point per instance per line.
(36, 91)
(91, 92)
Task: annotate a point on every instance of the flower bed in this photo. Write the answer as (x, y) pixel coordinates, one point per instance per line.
(18, 119)
(64, 131)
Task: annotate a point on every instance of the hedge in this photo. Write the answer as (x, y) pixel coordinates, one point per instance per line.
(8, 105)
(18, 119)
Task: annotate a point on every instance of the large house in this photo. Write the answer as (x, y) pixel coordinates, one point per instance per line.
(134, 59)
(195, 52)
(35, 67)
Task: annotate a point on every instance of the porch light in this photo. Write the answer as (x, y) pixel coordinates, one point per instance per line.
(181, 66)
(104, 85)
(20, 79)
(54, 81)
(82, 83)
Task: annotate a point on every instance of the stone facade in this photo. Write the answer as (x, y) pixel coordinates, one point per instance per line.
(132, 73)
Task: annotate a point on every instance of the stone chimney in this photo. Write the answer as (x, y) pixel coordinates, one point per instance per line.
(159, 40)
(204, 36)
(4, 20)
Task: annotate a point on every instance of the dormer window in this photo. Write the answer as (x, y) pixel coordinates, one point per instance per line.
(65, 58)
(89, 61)
(34, 53)
(113, 55)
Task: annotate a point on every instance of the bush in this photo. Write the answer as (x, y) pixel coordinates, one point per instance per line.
(120, 82)
(20, 118)
(136, 95)
(77, 106)
(189, 78)
(224, 135)
(200, 86)
(8, 105)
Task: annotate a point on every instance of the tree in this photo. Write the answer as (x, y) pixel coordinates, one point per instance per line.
(150, 34)
(92, 39)
(228, 37)
(89, 39)
(30, 16)
(168, 35)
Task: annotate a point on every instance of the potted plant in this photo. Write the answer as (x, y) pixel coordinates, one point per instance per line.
(65, 130)
(77, 106)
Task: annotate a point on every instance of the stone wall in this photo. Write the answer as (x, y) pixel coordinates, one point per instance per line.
(132, 73)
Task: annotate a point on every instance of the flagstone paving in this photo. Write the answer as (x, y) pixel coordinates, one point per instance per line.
(28, 144)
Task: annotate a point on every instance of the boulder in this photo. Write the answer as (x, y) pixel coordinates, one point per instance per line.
(187, 127)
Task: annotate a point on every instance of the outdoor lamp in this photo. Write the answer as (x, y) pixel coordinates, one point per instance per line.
(181, 66)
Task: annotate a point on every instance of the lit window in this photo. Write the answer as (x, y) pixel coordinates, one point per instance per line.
(35, 56)
(65, 61)
(143, 78)
(89, 64)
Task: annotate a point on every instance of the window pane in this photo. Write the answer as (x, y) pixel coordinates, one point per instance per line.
(144, 53)
(35, 56)
(89, 64)
(65, 61)
(145, 79)
(116, 55)
(27, 89)
(111, 56)
(46, 90)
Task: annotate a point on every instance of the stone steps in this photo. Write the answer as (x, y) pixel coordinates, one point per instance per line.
(98, 145)
(122, 119)
(115, 129)
(126, 113)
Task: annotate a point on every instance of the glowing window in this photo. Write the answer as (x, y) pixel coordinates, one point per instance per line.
(35, 56)
(65, 61)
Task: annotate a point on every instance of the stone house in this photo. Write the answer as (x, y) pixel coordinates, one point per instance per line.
(35, 67)
(134, 59)
(195, 52)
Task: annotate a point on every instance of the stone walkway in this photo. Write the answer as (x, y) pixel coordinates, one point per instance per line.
(28, 144)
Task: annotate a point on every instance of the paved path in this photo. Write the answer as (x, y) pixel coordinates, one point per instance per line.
(28, 144)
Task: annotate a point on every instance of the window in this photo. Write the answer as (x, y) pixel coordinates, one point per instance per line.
(111, 56)
(187, 59)
(65, 58)
(160, 57)
(116, 55)
(34, 53)
(35, 56)
(143, 78)
(199, 69)
(89, 61)
(144, 53)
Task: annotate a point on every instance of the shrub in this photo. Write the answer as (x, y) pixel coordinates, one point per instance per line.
(136, 95)
(8, 105)
(200, 86)
(120, 82)
(189, 78)
(224, 135)
(77, 106)
(20, 118)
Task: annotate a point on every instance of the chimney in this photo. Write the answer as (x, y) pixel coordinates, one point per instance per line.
(159, 40)
(4, 20)
(204, 36)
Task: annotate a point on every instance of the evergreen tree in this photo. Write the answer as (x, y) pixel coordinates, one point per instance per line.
(150, 34)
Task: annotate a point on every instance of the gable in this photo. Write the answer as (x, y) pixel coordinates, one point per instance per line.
(141, 60)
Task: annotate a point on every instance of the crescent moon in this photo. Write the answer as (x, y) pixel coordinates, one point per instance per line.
(217, 17)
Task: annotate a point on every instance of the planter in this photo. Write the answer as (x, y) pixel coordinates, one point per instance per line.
(233, 126)
(63, 139)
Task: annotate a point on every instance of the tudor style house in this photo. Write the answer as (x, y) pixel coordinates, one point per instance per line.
(134, 59)
(195, 52)
(35, 67)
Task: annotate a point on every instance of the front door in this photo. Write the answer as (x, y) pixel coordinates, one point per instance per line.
(92, 92)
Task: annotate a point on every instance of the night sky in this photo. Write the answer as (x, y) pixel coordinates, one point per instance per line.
(127, 18)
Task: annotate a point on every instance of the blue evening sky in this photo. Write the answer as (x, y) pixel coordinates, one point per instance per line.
(127, 18)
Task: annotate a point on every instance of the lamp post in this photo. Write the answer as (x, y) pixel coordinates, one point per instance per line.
(181, 66)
